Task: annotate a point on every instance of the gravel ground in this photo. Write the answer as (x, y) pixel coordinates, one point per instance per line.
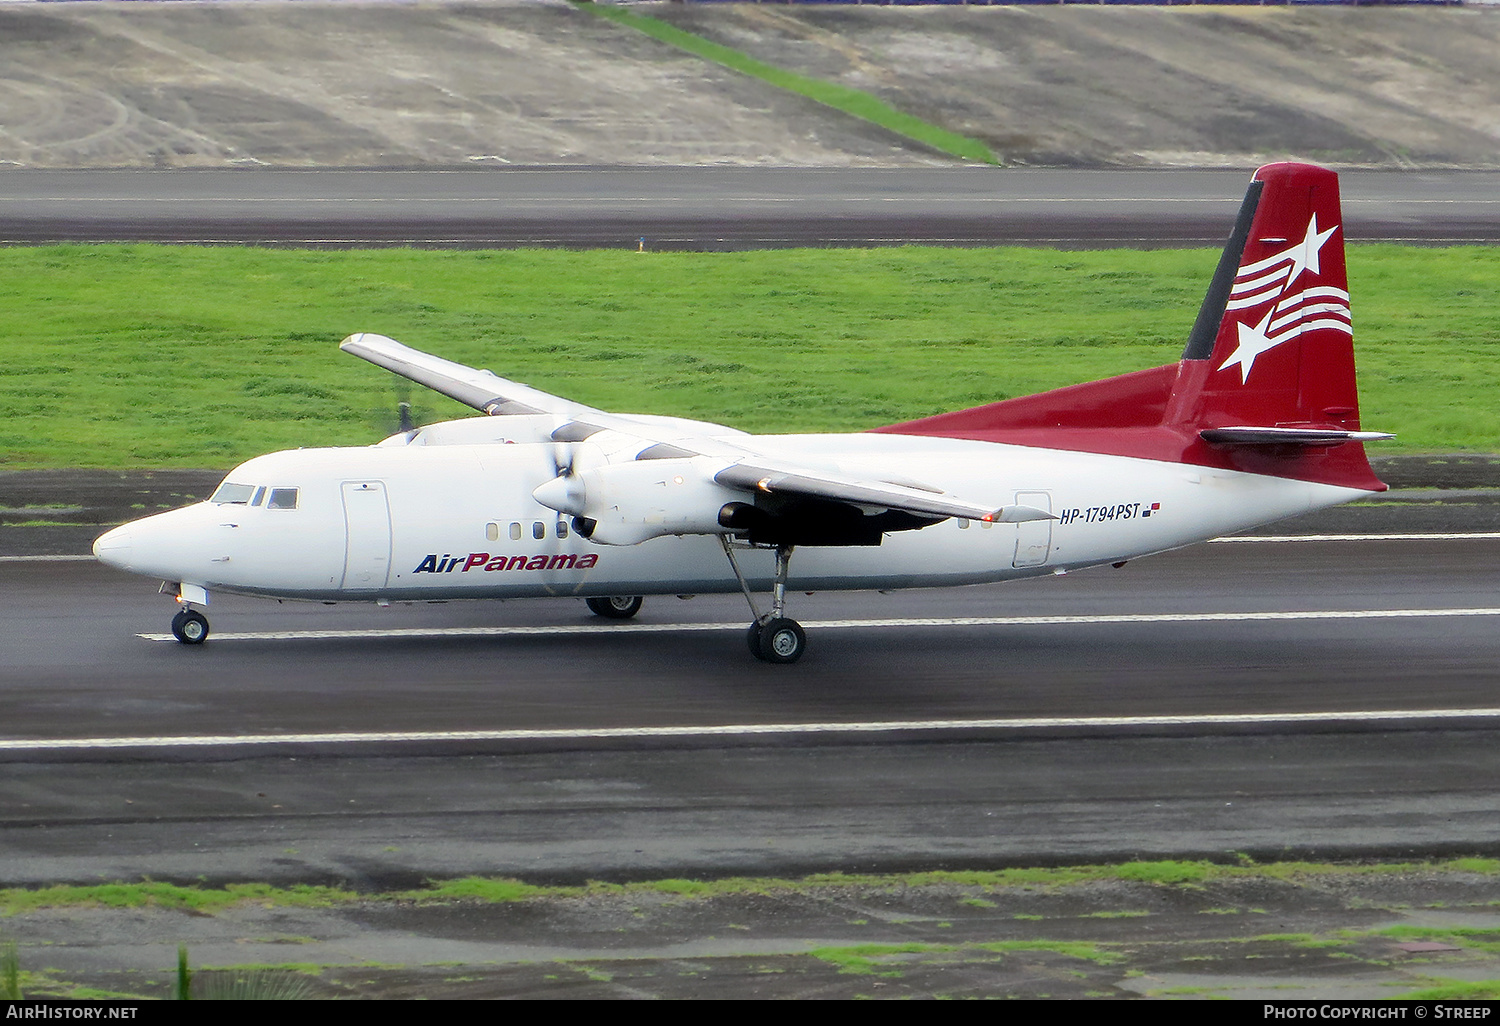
(1340, 936)
(171, 84)
(323, 83)
(1162, 86)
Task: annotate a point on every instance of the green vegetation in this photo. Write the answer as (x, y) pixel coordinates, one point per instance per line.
(885, 959)
(252, 984)
(157, 356)
(10, 972)
(1456, 990)
(1166, 872)
(1297, 940)
(14, 901)
(851, 101)
(164, 895)
(1473, 938)
(1488, 867)
(867, 959)
(184, 987)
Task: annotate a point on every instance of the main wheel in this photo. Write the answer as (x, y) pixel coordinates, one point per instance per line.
(615, 607)
(782, 641)
(190, 627)
(752, 638)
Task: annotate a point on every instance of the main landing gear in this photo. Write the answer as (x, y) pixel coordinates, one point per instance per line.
(773, 638)
(615, 607)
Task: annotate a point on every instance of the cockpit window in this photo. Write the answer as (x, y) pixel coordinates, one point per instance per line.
(260, 493)
(282, 498)
(237, 494)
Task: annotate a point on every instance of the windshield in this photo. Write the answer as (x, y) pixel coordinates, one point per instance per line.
(233, 493)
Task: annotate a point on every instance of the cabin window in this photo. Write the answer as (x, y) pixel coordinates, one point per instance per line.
(515, 532)
(562, 528)
(539, 530)
(236, 494)
(282, 498)
(986, 524)
(492, 532)
(963, 524)
(260, 493)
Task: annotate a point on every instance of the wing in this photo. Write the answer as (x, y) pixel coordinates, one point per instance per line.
(918, 500)
(495, 396)
(484, 391)
(643, 477)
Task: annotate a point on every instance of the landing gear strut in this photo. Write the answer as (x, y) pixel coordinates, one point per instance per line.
(772, 638)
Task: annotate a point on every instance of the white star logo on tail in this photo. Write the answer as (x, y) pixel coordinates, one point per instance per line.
(1269, 281)
(1253, 342)
(1304, 255)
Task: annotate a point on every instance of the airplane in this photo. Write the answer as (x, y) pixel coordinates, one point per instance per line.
(541, 496)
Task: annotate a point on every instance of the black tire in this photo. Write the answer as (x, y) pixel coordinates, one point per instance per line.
(615, 607)
(752, 638)
(190, 627)
(782, 641)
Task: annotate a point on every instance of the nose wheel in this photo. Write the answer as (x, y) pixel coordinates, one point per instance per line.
(190, 627)
(772, 638)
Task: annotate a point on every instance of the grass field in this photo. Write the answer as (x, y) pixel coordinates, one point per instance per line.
(159, 356)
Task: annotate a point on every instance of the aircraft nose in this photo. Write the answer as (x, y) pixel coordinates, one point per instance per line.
(113, 547)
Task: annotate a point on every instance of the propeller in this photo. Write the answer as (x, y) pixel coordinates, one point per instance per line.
(402, 423)
(563, 456)
(566, 492)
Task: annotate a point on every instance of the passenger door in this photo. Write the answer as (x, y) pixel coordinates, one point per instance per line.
(367, 548)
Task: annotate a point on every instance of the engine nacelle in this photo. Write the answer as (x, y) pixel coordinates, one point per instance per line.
(480, 431)
(628, 503)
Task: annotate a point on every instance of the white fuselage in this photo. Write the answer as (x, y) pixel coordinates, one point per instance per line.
(459, 521)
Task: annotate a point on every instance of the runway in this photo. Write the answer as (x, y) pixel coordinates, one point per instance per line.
(708, 208)
(1170, 707)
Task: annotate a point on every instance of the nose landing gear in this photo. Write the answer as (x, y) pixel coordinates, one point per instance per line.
(772, 638)
(190, 627)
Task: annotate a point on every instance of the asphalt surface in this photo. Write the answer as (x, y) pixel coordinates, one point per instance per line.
(706, 208)
(931, 788)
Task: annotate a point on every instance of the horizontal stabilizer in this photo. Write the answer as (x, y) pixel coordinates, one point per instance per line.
(1288, 436)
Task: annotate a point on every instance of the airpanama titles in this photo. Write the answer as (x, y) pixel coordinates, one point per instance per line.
(484, 561)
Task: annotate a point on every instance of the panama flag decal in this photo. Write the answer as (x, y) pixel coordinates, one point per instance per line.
(1290, 312)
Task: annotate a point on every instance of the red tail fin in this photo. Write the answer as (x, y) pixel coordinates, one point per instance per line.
(1266, 383)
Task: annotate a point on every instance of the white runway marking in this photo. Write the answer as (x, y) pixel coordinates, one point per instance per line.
(1469, 536)
(750, 729)
(740, 625)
